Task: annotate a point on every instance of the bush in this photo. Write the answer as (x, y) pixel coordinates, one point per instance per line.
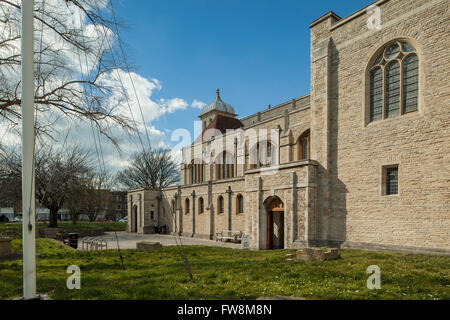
(4, 219)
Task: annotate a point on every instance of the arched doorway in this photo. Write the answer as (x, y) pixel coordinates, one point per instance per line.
(275, 223)
(134, 217)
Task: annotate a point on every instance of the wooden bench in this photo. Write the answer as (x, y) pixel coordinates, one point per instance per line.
(61, 238)
(234, 236)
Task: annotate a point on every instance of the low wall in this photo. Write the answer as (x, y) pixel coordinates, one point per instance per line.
(5, 247)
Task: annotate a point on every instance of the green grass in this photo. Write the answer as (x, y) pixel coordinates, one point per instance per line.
(227, 274)
(16, 228)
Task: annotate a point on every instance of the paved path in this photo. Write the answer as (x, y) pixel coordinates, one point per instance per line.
(129, 240)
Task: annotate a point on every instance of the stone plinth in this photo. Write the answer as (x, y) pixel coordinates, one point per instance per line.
(50, 233)
(148, 246)
(313, 254)
(5, 247)
(148, 230)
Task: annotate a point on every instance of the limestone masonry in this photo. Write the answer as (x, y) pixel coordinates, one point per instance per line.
(363, 161)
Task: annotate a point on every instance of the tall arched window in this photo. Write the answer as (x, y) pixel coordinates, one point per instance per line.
(225, 166)
(220, 205)
(376, 94)
(303, 146)
(263, 155)
(201, 205)
(394, 82)
(173, 206)
(239, 204)
(410, 83)
(196, 173)
(187, 206)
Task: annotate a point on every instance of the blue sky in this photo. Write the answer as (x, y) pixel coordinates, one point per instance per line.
(256, 52)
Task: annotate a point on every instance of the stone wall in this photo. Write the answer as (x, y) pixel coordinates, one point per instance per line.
(336, 198)
(352, 152)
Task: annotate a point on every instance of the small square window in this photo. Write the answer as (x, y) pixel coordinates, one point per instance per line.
(390, 180)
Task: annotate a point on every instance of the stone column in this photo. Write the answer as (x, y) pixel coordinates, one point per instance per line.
(210, 210)
(307, 202)
(261, 220)
(294, 217)
(321, 105)
(286, 120)
(140, 215)
(193, 213)
(179, 210)
(129, 212)
(175, 213)
(159, 198)
(229, 192)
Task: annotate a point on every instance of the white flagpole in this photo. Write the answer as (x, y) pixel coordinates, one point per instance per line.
(28, 196)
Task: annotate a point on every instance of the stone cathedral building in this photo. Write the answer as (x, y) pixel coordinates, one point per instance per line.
(363, 161)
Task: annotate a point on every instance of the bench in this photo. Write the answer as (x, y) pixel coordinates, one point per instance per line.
(229, 235)
(61, 238)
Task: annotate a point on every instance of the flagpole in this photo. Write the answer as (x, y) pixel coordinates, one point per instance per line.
(28, 195)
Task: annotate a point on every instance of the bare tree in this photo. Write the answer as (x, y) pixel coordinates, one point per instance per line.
(98, 198)
(75, 60)
(75, 199)
(58, 172)
(153, 169)
(10, 182)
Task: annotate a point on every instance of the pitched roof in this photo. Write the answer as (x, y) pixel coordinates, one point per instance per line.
(220, 123)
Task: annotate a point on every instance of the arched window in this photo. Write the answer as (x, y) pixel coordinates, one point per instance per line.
(393, 89)
(225, 166)
(220, 205)
(201, 205)
(410, 83)
(394, 82)
(196, 173)
(263, 155)
(239, 204)
(187, 207)
(173, 206)
(303, 146)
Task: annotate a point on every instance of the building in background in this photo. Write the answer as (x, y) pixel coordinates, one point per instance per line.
(119, 205)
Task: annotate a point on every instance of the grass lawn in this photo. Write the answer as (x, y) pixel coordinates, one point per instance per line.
(16, 228)
(227, 274)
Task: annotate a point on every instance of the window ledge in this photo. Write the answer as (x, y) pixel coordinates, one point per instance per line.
(401, 116)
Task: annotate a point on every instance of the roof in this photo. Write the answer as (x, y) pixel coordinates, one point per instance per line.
(219, 105)
(220, 123)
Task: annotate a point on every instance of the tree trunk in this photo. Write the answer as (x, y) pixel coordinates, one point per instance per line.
(53, 218)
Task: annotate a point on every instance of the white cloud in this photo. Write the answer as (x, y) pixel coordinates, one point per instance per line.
(140, 105)
(172, 105)
(198, 104)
